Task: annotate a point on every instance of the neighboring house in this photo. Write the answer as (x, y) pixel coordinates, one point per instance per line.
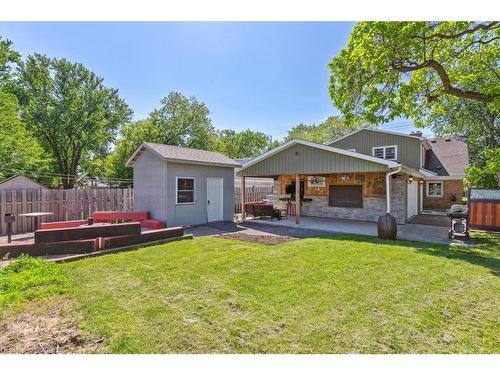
(349, 178)
(20, 182)
(183, 186)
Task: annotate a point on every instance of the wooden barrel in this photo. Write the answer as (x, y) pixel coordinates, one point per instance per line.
(386, 227)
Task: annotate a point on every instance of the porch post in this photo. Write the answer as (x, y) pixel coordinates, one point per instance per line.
(297, 199)
(242, 197)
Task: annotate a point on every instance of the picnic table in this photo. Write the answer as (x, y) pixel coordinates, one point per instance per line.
(35, 216)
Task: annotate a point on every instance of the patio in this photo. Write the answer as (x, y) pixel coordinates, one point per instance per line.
(410, 232)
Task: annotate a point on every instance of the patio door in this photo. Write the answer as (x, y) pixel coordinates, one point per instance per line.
(215, 199)
(412, 206)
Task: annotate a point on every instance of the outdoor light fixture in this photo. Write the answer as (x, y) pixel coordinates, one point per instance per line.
(410, 180)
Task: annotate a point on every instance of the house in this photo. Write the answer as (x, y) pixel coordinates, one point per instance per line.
(20, 182)
(360, 176)
(442, 161)
(183, 186)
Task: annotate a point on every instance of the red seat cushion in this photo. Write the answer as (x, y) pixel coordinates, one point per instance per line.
(153, 224)
(109, 216)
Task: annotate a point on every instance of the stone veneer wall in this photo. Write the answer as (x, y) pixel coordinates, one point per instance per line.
(373, 207)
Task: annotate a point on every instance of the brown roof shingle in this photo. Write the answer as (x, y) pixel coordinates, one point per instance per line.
(447, 156)
(191, 155)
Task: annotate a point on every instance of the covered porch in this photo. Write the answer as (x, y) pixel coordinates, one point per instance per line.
(311, 180)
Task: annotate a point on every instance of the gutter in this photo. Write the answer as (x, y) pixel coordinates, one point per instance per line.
(388, 188)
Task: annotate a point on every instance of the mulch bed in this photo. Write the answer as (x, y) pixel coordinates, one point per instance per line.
(259, 238)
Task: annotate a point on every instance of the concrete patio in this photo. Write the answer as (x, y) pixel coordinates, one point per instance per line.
(411, 232)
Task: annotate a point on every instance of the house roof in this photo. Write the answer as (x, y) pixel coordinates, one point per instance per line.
(379, 131)
(18, 175)
(447, 157)
(183, 155)
(265, 155)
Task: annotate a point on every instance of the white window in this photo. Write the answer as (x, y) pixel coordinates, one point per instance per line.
(385, 152)
(434, 188)
(184, 190)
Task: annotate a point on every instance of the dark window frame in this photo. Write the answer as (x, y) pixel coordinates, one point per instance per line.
(177, 190)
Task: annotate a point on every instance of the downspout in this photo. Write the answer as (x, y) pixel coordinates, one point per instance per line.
(388, 188)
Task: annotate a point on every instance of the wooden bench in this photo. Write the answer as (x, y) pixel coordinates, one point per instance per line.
(86, 232)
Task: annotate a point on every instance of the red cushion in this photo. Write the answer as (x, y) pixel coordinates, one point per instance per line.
(63, 224)
(153, 224)
(109, 216)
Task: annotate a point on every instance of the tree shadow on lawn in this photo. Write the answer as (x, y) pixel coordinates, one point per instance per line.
(485, 253)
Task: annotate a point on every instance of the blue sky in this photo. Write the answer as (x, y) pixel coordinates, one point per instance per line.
(262, 76)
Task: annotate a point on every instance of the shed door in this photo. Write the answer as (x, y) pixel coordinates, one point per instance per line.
(215, 199)
(412, 207)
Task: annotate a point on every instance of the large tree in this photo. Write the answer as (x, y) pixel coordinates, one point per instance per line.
(19, 150)
(332, 128)
(244, 144)
(131, 136)
(69, 110)
(184, 121)
(180, 121)
(410, 69)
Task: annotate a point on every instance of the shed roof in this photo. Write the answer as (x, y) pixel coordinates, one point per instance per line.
(183, 155)
(20, 176)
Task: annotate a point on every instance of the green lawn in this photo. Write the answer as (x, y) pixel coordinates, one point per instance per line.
(316, 295)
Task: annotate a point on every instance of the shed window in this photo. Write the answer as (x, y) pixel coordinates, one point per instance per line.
(346, 196)
(185, 190)
(385, 152)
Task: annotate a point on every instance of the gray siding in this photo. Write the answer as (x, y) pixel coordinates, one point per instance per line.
(194, 214)
(150, 178)
(364, 140)
(304, 159)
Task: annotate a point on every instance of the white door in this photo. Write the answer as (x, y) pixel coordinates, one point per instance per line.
(215, 199)
(412, 206)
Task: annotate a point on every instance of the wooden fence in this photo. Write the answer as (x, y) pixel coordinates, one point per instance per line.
(484, 209)
(252, 193)
(70, 204)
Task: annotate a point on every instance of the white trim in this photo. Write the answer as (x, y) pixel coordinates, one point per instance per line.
(284, 146)
(427, 189)
(379, 131)
(176, 190)
(427, 172)
(384, 148)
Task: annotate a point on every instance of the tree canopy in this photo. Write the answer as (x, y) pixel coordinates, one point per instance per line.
(184, 121)
(332, 128)
(67, 107)
(394, 69)
(244, 144)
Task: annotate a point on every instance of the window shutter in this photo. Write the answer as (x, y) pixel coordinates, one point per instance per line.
(346, 196)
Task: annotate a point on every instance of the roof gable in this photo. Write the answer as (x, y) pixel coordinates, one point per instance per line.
(22, 180)
(378, 131)
(447, 156)
(182, 155)
(311, 157)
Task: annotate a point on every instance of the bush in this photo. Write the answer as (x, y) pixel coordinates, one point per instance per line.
(27, 278)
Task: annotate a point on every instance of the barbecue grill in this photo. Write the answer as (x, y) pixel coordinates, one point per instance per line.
(458, 221)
